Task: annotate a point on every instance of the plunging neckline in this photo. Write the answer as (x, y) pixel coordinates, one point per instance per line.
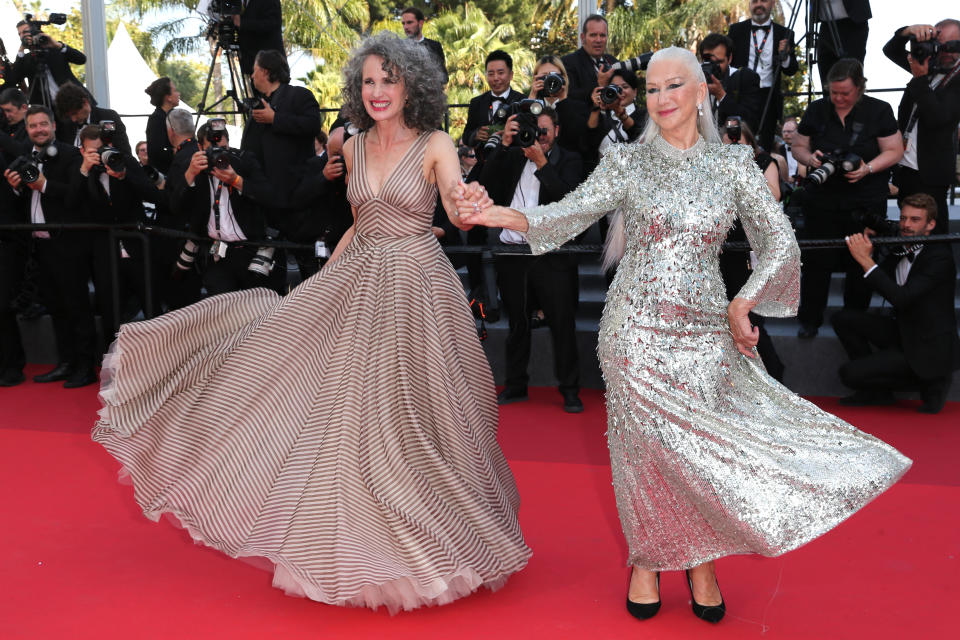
(389, 176)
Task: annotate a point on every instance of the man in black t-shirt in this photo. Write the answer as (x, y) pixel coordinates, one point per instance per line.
(842, 203)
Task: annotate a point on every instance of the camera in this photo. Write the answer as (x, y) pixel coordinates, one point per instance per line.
(110, 156)
(733, 130)
(225, 7)
(27, 167)
(526, 112)
(220, 157)
(930, 50)
(634, 64)
(349, 130)
(247, 105)
(611, 94)
(877, 221)
(830, 162)
(263, 262)
(38, 38)
(188, 254)
(711, 68)
(153, 175)
(553, 84)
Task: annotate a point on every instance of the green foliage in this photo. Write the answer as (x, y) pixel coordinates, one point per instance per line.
(655, 24)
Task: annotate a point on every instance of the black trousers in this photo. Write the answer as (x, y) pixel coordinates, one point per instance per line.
(853, 41)
(130, 274)
(877, 361)
(819, 264)
(13, 259)
(768, 127)
(231, 273)
(64, 276)
(553, 280)
(909, 181)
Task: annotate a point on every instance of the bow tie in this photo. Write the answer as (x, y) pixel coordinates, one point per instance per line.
(758, 27)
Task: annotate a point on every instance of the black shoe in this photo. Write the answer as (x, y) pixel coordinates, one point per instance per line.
(60, 372)
(81, 378)
(644, 610)
(935, 395)
(11, 378)
(512, 395)
(571, 402)
(808, 331)
(710, 613)
(868, 399)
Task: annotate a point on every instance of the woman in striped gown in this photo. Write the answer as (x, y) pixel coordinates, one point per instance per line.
(346, 432)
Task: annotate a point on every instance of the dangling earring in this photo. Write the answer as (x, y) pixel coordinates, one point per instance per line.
(700, 109)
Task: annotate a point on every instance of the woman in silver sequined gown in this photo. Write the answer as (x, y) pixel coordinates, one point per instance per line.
(710, 455)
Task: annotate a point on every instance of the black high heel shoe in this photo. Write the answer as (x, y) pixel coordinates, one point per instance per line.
(642, 611)
(710, 613)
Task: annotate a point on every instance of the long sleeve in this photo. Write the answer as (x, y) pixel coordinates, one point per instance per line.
(775, 282)
(551, 225)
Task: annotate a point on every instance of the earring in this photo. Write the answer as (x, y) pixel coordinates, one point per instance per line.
(700, 109)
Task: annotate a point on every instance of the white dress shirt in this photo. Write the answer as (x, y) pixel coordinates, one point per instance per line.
(764, 67)
(527, 194)
(617, 134)
(903, 267)
(229, 229)
(36, 206)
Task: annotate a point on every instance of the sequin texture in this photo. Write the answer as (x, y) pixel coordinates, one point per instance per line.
(710, 455)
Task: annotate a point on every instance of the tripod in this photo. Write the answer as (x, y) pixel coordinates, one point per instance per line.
(238, 89)
(777, 69)
(40, 79)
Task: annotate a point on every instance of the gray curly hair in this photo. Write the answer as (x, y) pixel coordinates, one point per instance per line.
(403, 59)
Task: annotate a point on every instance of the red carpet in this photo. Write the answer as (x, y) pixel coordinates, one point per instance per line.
(79, 561)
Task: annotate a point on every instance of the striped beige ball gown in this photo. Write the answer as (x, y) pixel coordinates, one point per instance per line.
(346, 432)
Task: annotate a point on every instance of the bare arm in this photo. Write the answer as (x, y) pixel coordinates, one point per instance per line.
(801, 151)
(442, 166)
(772, 174)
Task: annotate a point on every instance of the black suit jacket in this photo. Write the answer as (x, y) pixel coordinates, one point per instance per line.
(67, 131)
(159, 150)
(857, 10)
(63, 179)
(283, 147)
(561, 175)
(939, 114)
(261, 27)
(743, 98)
(926, 316)
(582, 74)
(12, 141)
(58, 62)
(437, 50)
(478, 114)
(176, 187)
(324, 211)
(248, 207)
(125, 201)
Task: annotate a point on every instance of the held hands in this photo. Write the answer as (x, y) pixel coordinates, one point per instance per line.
(744, 334)
(473, 203)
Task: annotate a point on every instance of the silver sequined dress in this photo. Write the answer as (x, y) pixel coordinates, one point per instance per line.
(710, 455)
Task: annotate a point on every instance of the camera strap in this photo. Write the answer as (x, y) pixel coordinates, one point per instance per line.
(857, 128)
(934, 83)
(758, 50)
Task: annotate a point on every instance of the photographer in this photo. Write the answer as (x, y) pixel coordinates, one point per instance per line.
(114, 190)
(848, 19)
(260, 25)
(482, 111)
(849, 141)
(14, 135)
(733, 92)
(929, 111)
(321, 198)
(73, 106)
(280, 132)
(223, 196)
(44, 179)
(165, 97)
(916, 348)
(550, 86)
(525, 176)
(614, 117)
(45, 63)
(589, 66)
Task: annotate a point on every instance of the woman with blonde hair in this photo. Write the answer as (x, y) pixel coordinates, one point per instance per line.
(710, 455)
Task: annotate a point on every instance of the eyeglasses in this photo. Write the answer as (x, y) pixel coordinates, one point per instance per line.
(471, 155)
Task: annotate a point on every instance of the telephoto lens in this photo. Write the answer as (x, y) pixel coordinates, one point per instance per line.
(262, 263)
(188, 254)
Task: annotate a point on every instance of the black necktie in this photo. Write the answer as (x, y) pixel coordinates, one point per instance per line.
(757, 27)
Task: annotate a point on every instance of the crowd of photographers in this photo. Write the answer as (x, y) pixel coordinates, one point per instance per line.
(834, 166)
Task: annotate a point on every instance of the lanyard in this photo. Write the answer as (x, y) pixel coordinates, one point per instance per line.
(218, 194)
(759, 50)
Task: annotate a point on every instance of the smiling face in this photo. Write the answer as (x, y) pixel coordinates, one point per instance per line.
(40, 129)
(673, 95)
(499, 76)
(383, 94)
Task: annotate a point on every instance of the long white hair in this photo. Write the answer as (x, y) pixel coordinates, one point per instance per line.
(616, 236)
